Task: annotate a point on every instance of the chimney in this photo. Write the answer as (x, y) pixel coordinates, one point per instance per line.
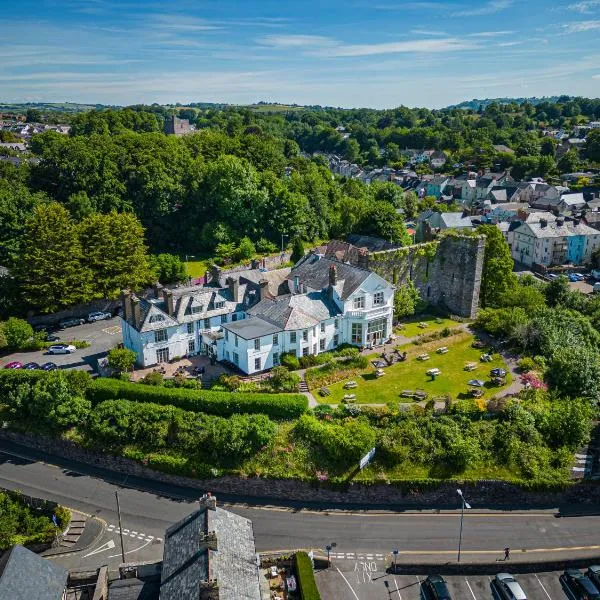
(560, 222)
(157, 290)
(209, 501)
(168, 300)
(126, 304)
(215, 273)
(206, 277)
(264, 288)
(234, 288)
(332, 276)
(543, 223)
(209, 540)
(255, 264)
(296, 284)
(136, 311)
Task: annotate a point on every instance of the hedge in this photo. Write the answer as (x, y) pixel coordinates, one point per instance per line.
(223, 404)
(306, 577)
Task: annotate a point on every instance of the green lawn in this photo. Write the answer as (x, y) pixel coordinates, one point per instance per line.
(197, 268)
(410, 328)
(411, 375)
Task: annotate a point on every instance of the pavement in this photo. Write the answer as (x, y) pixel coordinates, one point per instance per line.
(431, 536)
(102, 336)
(83, 532)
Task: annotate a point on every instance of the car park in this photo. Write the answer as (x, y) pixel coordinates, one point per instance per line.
(435, 588)
(71, 322)
(13, 365)
(31, 366)
(98, 316)
(508, 587)
(49, 366)
(593, 574)
(578, 586)
(61, 349)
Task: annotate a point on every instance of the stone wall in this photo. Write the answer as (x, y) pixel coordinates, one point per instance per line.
(483, 494)
(446, 272)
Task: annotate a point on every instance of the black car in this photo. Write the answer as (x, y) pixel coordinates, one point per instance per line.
(577, 586)
(593, 574)
(30, 366)
(435, 588)
(49, 366)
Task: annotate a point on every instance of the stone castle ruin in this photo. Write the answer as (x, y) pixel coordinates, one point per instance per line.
(447, 272)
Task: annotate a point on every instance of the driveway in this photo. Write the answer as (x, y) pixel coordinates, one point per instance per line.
(102, 336)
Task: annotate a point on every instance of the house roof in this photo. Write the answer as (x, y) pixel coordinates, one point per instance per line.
(251, 328)
(134, 589)
(27, 576)
(188, 559)
(503, 148)
(554, 229)
(575, 199)
(456, 220)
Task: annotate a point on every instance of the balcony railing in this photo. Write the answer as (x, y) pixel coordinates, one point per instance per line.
(370, 313)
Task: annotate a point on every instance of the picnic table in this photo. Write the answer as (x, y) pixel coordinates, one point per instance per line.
(324, 391)
(348, 397)
(423, 325)
(476, 392)
(470, 366)
(485, 358)
(434, 371)
(407, 393)
(442, 350)
(349, 385)
(423, 356)
(379, 373)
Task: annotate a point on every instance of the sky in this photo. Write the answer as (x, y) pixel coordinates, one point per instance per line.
(349, 53)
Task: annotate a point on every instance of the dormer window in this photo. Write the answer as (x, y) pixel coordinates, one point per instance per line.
(359, 302)
(378, 299)
(220, 304)
(197, 309)
(156, 318)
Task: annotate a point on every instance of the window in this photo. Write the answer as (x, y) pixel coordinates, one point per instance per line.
(197, 309)
(276, 340)
(292, 337)
(236, 341)
(236, 358)
(335, 339)
(305, 335)
(257, 344)
(156, 318)
(378, 299)
(206, 323)
(357, 333)
(322, 327)
(219, 304)
(234, 317)
(227, 355)
(275, 359)
(223, 318)
(322, 345)
(257, 365)
(314, 348)
(162, 355)
(305, 351)
(192, 346)
(190, 328)
(226, 335)
(160, 335)
(359, 302)
(314, 331)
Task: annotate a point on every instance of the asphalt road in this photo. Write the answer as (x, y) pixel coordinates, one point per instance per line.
(147, 512)
(102, 336)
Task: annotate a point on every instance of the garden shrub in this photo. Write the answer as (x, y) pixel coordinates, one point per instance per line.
(526, 364)
(335, 370)
(290, 360)
(306, 577)
(277, 406)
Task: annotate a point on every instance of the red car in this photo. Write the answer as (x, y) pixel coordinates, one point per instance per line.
(14, 365)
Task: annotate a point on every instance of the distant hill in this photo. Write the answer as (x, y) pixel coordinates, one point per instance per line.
(63, 107)
(476, 103)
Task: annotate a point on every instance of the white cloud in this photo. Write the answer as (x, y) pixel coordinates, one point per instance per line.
(177, 24)
(490, 8)
(429, 32)
(586, 6)
(508, 44)
(486, 34)
(581, 26)
(296, 41)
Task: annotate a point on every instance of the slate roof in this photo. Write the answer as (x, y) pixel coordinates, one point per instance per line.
(456, 220)
(251, 328)
(134, 589)
(372, 244)
(576, 199)
(27, 576)
(313, 273)
(553, 229)
(188, 561)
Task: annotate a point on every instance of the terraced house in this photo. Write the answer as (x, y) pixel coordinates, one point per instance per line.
(254, 317)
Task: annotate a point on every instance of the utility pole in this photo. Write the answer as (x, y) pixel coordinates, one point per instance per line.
(395, 553)
(120, 528)
(464, 505)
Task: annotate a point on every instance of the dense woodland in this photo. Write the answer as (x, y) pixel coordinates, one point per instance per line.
(235, 186)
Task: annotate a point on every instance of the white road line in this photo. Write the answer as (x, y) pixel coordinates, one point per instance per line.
(125, 530)
(545, 591)
(396, 584)
(159, 539)
(134, 532)
(141, 537)
(470, 589)
(150, 537)
(130, 551)
(351, 588)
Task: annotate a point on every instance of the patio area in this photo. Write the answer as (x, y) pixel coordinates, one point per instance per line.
(189, 366)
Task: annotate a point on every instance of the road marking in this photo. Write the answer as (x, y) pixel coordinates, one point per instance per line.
(108, 546)
(348, 583)
(396, 584)
(130, 551)
(545, 591)
(469, 586)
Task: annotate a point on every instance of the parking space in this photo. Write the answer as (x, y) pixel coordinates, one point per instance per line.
(367, 580)
(101, 335)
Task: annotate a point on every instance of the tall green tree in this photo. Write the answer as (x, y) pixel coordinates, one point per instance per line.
(297, 250)
(50, 270)
(498, 278)
(115, 253)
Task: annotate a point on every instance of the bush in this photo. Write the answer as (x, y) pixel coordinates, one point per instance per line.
(282, 380)
(335, 371)
(312, 360)
(121, 360)
(306, 577)
(290, 361)
(17, 332)
(276, 406)
(527, 364)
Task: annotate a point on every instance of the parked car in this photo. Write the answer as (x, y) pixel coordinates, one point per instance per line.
(49, 366)
(593, 574)
(577, 586)
(98, 316)
(61, 349)
(498, 372)
(14, 365)
(72, 322)
(572, 277)
(552, 275)
(31, 366)
(508, 587)
(435, 588)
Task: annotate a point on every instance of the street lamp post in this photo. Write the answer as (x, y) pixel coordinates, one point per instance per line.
(464, 504)
(329, 548)
(395, 553)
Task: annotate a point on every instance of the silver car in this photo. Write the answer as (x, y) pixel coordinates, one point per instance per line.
(508, 587)
(98, 316)
(61, 349)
